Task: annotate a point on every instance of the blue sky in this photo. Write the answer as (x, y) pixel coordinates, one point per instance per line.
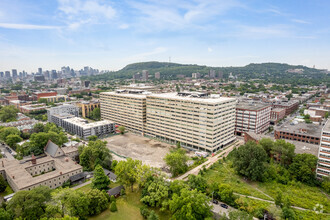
(109, 34)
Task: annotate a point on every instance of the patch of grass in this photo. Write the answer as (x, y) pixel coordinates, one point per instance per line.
(300, 195)
(8, 191)
(310, 215)
(128, 208)
(222, 173)
(89, 186)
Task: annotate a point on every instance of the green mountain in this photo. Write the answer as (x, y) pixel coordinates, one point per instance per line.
(268, 72)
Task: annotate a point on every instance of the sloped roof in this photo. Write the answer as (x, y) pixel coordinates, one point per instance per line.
(115, 191)
(51, 148)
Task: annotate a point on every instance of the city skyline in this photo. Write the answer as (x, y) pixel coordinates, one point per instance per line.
(111, 34)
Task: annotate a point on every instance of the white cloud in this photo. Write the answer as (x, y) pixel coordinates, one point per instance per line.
(123, 26)
(78, 12)
(300, 21)
(27, 26)
(146, 55)
(209, 49)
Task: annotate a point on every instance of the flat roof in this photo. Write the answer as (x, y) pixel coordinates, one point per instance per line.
(311, 129)
(252, 106)
(208, 99)
(130, 95)
(22, 178)
(278, 109)
(85, 124)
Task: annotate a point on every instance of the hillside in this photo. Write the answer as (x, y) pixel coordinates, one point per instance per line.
(269, 72)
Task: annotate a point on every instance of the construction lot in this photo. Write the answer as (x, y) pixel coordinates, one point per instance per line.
(149, 151)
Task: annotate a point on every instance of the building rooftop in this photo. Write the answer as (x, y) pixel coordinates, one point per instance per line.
(251, 106)
(22, 178)
(140, 94)
(193, 97)
(85, 124)
(301, 128)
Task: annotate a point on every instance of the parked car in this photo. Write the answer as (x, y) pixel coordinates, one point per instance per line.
(224, 206)
(215, 201)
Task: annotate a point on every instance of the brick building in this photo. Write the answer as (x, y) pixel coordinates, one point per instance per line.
(289, 106)
(254, 117)
(277, 114)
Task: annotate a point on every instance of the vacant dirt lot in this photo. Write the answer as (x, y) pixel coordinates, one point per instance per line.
(147, 150)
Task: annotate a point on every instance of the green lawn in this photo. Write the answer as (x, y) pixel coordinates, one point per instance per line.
(225, 174)
(7, 191)
(128, 207)
(300, 195)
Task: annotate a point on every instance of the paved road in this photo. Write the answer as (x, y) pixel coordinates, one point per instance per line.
(211, 160)
(8, 155)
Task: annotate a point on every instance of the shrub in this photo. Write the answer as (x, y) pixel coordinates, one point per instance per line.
(112, 199)
(122, 192)
(144, 212)
(113, 207)
(3, 184)
(153, 216)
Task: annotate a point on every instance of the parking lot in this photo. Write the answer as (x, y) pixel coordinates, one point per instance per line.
(147, 150)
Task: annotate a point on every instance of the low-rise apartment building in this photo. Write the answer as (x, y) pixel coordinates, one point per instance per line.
(197, 120)
(323, 165)
(82, 127)
(125, 107)
(254, 117)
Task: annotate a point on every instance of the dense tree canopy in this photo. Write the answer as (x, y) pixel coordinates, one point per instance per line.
(177, 161)
(190, 205)
(197, 182)
(129, 171)
(98, 201)
(8, 113)
(303, 168)
(96, 152)
(249, 160)
(156, 192)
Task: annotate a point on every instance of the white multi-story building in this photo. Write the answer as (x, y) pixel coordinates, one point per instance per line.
(197, 120)
(252, 117)
(63, 109)
(323, 165)
(125, 107)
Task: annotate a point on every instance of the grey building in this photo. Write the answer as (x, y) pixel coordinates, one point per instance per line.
(63, 109)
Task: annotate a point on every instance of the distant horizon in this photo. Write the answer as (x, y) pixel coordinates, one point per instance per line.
(80, 68)
(109, 34)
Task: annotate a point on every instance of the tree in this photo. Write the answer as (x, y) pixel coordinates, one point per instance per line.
(128, 171)
(249, 160)
(288, 213)
(92, 138)
(326, 184)
(98, 201)
(93, 154)
(5, 131)
(113, 207)
(100, 180)
(267, 144)
(283, 151)
(3, 184)
(13, 139)
(326, 115)
(278, 199)
(225, 193)
(39, 140)
(155, 192)
(71, 202)
(4, 215)
(96, 114)
(39, 127)
(303, 168)
(152, 216)
(121, 129)
(8, 113)
(190, 204)
(197, 182)
(29, 204)
(177, 161)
